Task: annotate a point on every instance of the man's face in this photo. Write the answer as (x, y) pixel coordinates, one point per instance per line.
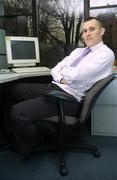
(92, 32)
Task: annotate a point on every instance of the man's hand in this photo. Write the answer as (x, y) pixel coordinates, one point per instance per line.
(63, 81)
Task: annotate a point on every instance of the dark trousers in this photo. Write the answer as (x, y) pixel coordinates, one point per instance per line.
(29, 105)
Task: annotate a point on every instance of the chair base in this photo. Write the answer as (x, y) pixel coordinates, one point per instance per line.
(63, 170)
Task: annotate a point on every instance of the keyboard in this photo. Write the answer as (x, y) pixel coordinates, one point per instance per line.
(30, 69)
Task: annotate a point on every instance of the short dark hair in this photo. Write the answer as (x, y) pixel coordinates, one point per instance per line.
(97, 19)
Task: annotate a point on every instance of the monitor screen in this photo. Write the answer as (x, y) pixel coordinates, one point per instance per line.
(22, 51)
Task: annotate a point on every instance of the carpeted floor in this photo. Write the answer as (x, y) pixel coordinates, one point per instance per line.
(82, 166)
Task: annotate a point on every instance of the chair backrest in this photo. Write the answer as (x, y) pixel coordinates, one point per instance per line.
(91, 97)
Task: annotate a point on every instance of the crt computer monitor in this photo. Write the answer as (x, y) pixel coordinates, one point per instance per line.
(22, 51)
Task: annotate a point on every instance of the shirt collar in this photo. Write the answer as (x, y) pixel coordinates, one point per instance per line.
(96, 46)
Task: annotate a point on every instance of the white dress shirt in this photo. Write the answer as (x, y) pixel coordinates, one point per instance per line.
(93, 67)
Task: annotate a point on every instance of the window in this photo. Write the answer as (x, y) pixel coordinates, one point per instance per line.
(107, 11)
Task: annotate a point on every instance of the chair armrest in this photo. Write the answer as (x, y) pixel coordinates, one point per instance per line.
(60, 95)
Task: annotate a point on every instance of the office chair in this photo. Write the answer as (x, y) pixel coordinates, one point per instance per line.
(77, 122)
(83, 115)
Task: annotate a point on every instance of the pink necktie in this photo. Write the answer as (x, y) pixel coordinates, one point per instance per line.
(86, 51)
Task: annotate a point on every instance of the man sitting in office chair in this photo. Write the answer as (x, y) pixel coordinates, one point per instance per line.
(75, 74)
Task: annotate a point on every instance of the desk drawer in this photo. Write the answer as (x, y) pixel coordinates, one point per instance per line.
(104, 121)
(109, 95)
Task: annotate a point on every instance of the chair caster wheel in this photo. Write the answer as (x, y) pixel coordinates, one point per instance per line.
(63, 171)
(96, 153)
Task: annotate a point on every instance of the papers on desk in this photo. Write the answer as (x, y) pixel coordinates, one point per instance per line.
(4, 71)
